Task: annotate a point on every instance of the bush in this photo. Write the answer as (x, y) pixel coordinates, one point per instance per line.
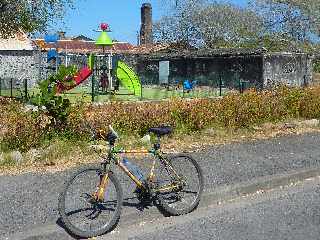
(232, 111)
(20, 130)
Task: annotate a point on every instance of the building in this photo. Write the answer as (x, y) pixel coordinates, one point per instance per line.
(17, 60)
(230, 67)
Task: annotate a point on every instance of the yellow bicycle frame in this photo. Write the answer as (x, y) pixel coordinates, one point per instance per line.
(99, 194)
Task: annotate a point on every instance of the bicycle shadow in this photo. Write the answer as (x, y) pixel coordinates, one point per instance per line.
(61, 224)
(145, 204)
(141, 205)
(127, 202)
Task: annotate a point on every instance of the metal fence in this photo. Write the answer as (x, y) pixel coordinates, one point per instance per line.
(13, 88)
(89, 91)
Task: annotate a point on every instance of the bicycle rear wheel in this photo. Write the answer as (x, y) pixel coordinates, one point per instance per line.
(179, 184)
(81, 213)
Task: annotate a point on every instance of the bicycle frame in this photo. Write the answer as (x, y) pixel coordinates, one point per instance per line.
(113, 157)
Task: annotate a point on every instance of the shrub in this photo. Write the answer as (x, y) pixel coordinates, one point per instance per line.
(20, 130)
(57, 108)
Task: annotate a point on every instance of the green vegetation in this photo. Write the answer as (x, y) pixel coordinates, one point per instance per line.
(273, 24)
(30, 16)
(83, 94)
(197, 122)
(24, 130)
(316, 66)
(56, 107)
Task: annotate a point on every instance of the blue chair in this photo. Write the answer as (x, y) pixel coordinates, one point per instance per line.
(187, 85)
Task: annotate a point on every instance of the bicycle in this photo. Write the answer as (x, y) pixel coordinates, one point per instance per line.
(99, 194)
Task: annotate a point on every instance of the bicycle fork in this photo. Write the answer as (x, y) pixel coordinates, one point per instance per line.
(99, 193)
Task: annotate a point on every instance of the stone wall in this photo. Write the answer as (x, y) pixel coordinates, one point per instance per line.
(33, 66)
(19, 65)
(289, 69)
(259, 71)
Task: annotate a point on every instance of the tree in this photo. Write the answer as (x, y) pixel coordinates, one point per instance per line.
(227, 25)
(177, 24)
(209, 24)
(30, 15)
(298, 20)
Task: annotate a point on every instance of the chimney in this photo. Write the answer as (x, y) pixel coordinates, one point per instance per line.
(146, 24)
(62, 35)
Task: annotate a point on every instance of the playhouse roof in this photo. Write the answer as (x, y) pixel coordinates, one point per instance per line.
(19, 41)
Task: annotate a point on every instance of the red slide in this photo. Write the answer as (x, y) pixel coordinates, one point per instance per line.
(81, 76)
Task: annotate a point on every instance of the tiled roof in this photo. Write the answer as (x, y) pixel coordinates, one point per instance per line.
(19, 42)
(203, 53)
(147, 49)
(80, 46)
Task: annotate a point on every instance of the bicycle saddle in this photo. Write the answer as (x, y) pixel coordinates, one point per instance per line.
(161, 131)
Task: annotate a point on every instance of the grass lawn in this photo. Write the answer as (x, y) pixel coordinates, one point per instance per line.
(83, 93)
(148, 93)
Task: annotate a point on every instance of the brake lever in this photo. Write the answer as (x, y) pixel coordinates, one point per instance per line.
(113, 131)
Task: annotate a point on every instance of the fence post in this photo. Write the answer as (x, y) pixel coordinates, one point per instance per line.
(92, 88)
(241, 86)
(220, 85)
(11, 87)
(26, 89)
(141, 96)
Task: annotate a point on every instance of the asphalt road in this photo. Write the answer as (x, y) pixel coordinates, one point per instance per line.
(285, 213)
(29, 202)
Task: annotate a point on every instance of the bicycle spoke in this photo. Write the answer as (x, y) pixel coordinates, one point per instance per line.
(82, 210)
(179, 189)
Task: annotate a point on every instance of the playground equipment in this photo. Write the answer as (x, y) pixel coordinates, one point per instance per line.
(128, 78)
(111, 72)
(52, 55)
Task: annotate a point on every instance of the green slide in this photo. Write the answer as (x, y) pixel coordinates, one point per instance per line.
(128, 78)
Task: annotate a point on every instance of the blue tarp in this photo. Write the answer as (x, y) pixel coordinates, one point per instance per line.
(51, 38)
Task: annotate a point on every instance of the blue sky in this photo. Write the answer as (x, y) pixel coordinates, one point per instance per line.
(122, 15)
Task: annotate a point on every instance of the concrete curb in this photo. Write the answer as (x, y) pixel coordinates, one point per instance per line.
(225, 193)
(209, 197)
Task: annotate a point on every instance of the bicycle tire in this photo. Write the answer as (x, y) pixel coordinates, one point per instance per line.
(65, 215)
(163, 199)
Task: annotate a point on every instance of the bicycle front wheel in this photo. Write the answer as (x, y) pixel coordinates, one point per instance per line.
(81, 213)
(179, 184)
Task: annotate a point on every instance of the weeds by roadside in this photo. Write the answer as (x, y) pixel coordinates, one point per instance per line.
(197, 122)
(63, 154)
